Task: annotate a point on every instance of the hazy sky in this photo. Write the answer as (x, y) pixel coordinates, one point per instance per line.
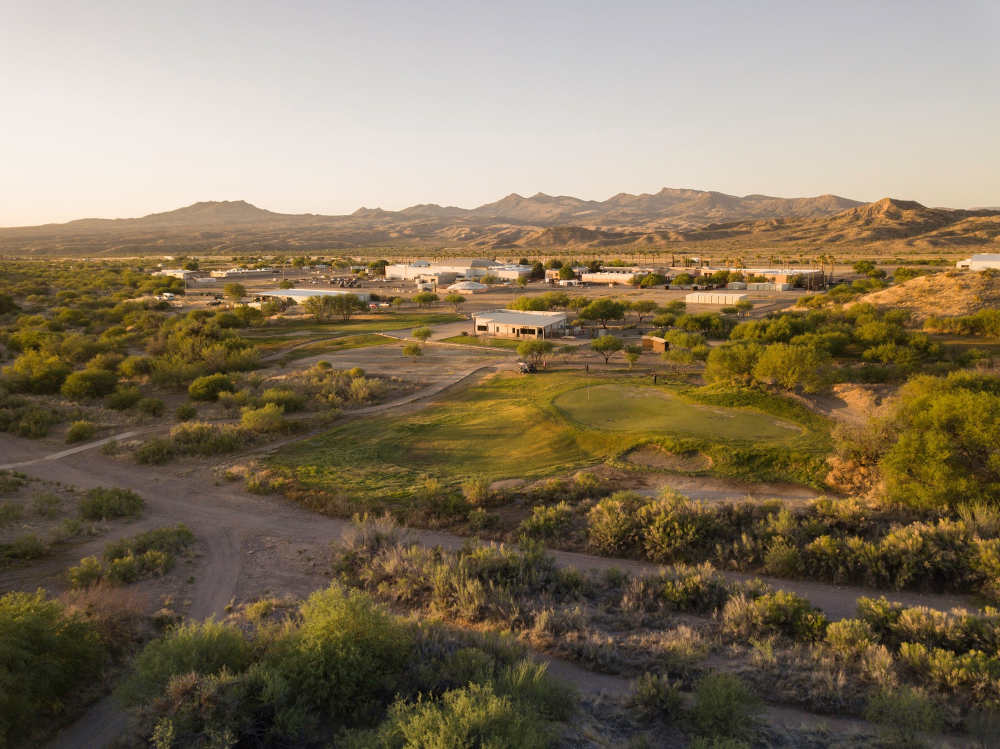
(121, 108)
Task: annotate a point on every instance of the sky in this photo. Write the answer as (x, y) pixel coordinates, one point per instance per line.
(123, 108)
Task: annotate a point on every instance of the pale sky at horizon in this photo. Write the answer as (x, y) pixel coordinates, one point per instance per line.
(119, 109)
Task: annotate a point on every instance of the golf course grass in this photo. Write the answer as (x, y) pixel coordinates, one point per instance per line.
(522, 427)
(629, 408)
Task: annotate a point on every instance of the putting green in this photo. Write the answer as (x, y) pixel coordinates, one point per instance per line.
(629, 408)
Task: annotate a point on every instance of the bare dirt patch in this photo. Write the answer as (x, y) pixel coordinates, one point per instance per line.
(650, 456)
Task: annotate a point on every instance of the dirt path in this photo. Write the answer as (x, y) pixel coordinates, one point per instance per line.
(226, 519)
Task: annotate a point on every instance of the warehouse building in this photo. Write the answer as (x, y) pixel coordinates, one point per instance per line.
(723, 298)
(505, 323)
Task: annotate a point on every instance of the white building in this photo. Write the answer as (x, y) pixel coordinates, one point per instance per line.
(445, 272)
(506, 323)
(980, 262)
(725, 299)
(301, 295)
(610, 276)
(175, 273)
(467, 287)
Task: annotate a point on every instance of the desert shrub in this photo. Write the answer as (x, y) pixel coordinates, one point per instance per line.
(474, 715)
(89, 383)
(186, 412)
(289, 400)
(905, 715)
(28, 546)
(343, 651)
(155, 451)
(202, 438)
(780, 612)
(208, 387)
(28, 420)
(104, 504)
(267, 418)
(676, 529)
(654, 696)
(80, 431)
(88, 572)
(849, 637)
(10, 513)
(679, 588)
(719, 742)
(547, 522)
(150, 406)
(476, 490)
(135, 366)
(724, 708)
(46, 505)
(614, 526)
(123, 397)
(200, 648)
(47, 654)
(170, 539)
(132, 567)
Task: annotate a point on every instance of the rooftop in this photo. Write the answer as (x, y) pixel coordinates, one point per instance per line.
(306, 292)
(513, 317)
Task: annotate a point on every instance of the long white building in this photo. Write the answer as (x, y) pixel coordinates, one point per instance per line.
(983, 261)
(446, 272)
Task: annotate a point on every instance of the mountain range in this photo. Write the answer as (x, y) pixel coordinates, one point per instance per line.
(662, 220)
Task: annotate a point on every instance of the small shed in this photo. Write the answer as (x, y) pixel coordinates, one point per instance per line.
(654, 343)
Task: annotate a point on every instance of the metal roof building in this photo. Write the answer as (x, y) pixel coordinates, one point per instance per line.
(506, 323)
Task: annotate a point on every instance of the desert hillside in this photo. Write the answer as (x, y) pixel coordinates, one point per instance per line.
(684, 221)
(941, 295)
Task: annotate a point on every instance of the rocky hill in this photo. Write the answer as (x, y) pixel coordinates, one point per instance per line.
(671, 219)
(940, 295)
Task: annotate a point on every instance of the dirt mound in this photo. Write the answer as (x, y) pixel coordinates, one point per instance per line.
(941, 295)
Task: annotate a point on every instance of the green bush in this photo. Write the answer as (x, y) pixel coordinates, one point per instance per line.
(343, 651)
(89, 383)
(124, 397)
(186, 412)
(850, 638)
(905, 715)
(150, 406)
(289, 400)
(467, 717)
(199, 648)
(89, 572)
(655, 696)
(547, 522)
(268, 418)
(80, 431)
(28, 546)
(133, 567)
(170, 539)
(10, 513)
(614, 524)
(208, 387)
(104, 504)
(724, 708)
(780, 612)
(47, 655)
(201, 438)
(155, 451)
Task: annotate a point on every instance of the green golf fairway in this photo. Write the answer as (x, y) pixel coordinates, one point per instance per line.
(628, 408)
